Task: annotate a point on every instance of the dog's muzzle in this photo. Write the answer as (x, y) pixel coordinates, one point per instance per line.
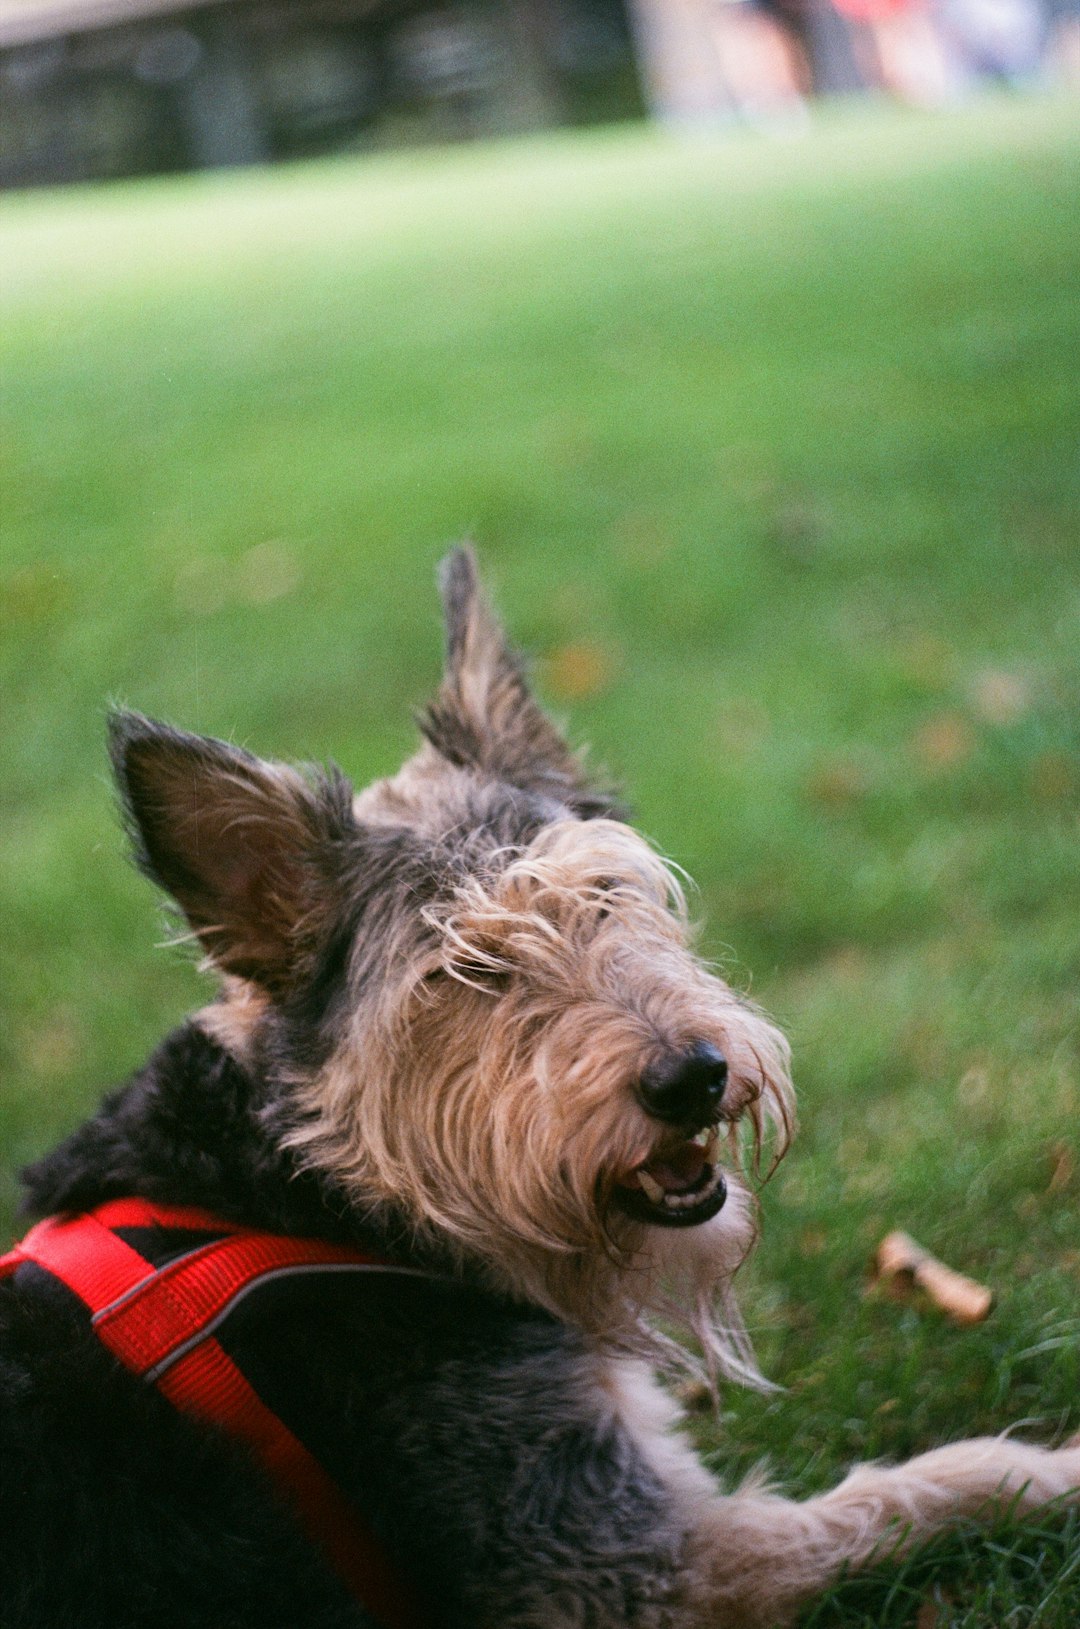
(682, 1184)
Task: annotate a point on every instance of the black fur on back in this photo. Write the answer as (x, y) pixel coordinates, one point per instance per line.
(460, 1425)
(185, 1130)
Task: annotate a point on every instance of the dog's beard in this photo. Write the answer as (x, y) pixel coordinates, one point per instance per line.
(691, 1275)
(662, 1293)
(538, 1218)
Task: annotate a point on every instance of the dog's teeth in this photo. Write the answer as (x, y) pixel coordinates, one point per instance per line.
(704, 1137)
(652, 1188)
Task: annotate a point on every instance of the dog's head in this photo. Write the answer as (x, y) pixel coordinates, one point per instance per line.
(472, 991)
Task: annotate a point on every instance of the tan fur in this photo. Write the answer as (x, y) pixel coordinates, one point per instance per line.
(753, 1558)
(490, 1090)
(233, 1019)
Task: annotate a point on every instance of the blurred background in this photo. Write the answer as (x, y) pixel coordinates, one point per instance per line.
(744, 340)
(98, 88)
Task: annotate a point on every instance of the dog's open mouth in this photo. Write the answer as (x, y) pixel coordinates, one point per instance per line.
(680, 1186)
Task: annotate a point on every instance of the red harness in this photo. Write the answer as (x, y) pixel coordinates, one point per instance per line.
(160, 1321)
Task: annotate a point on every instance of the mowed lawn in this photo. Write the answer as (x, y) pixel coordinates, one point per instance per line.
(770, 448)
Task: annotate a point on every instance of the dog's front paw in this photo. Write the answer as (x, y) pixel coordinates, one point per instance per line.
(1069, 1458)
(1039, 1476)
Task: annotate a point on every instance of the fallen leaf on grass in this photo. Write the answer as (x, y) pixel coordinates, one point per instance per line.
(577, 671)
(36, 594)
(1064, 1165)
(943, 741)
(1000, 697)
(837, 784)
(902, 1266)
(929, 1615)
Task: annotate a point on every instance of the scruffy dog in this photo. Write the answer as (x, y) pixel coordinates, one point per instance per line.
(472, 1097)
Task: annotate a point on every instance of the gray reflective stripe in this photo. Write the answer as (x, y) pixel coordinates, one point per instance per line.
(265, 1278)
(153, 1272)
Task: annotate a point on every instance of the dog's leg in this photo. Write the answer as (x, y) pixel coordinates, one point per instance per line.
(755, 1557)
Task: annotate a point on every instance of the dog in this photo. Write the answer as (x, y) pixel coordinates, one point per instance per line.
(484, 1124)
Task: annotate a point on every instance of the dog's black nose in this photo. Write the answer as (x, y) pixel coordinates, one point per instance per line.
(686, 1089)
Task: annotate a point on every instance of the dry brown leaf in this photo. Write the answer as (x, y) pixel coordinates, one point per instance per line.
(837, 783)
(943, 741)
(579, 670)
(1063, 1167)
(902, 1265)
(1000, 697)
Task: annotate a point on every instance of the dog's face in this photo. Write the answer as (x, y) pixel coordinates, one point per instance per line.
(472, 983)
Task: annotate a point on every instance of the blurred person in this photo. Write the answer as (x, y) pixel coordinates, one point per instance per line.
(1061, 51)
(995, 39)
(762, 46)
(900, 49)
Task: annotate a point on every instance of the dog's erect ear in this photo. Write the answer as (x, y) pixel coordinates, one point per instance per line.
(248, 850)
(484, 716)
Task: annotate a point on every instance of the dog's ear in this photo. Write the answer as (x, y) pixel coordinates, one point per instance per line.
(247, 849)
(485, 716)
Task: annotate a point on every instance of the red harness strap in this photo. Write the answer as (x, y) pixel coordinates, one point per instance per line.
(159, 1323)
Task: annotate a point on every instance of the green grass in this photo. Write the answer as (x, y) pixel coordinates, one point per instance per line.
(770, 449)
